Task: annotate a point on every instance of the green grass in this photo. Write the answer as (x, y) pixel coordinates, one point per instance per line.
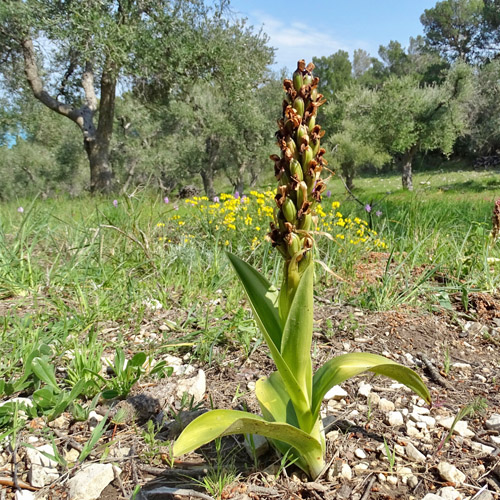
(71, 269)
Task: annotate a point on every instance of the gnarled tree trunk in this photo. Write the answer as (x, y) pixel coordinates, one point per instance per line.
(348, 172)
(96, 140)
(208, 170)
(407, 173)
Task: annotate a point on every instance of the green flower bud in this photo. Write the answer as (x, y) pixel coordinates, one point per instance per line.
(290, 144)
(304, 262)
(298, 104)
(294, 244)
(284, 178)
(307, 157)
(312, 122)
(296, 170)
(307, 79)
(305, 222)
(301, 194)
(297, 80)
(301, 133)
(289, 211)
(315, 147)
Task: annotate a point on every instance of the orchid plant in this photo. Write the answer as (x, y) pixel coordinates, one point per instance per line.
(290, 398)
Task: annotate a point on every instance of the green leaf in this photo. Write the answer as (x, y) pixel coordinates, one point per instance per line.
(138, 360)
(274, 400)
(65, 399)
(119, 361)
(343, 367)
(110, 394)
(266, 314)
(45, 372)
(97, 433)
(276, 406)
(218, 423)
(298, 330)
(263, 299)
(44, 398)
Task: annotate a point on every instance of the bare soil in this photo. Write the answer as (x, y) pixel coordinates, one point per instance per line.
(455, 351)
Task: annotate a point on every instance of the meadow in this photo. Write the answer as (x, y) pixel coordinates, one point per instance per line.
(84, 279)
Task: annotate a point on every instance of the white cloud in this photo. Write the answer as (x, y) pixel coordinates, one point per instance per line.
(297, 40)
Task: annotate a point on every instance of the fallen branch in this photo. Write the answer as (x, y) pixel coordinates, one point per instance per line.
(434, 372)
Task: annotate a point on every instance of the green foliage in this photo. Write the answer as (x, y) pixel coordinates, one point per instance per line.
(126, 374)
(485, 109)
(455, 28)
(354, 141)
(410, 118)
(334, 72)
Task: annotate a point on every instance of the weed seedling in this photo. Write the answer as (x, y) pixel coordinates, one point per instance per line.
(447, 361)
(391, 456)
(478, 405)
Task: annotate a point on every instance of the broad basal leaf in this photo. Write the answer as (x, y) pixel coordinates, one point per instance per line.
(274, 400)
(297, 333)
(217, 423)
(343, 367)
(257, 288)
(263, 299)
(45, 372)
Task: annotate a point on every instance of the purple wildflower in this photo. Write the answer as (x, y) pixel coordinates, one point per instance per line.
(20, 210)
(368, 208)
(166, 200)
(328, 194)
(378, 213)
(115, 203)
(176, 207)
(216, 199)
(236, 194)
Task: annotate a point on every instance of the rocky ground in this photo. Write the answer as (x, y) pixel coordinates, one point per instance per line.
(383, 442)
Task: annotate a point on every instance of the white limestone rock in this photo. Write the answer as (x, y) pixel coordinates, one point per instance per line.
(450, 473)
(336, 393)
(90, 481)
(194, 386)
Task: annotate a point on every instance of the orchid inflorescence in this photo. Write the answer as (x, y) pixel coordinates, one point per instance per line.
(298, 171)
(290, 398)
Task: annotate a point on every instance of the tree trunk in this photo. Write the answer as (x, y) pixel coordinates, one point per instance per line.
(239, 185)
(208, 182)
(96, 140)
(208, 171)
(407, 174)
(101, 173)
(348, 172)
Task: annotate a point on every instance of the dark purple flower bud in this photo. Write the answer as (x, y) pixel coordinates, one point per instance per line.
(328, 194)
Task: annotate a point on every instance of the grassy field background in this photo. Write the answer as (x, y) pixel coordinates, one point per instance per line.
(79, 278)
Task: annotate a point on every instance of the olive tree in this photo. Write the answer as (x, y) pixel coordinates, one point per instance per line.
(74, 54)
(410, 118)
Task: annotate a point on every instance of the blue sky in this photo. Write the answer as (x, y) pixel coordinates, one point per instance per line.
(301, 29)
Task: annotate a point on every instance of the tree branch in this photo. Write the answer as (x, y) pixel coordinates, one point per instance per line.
(71, 69)
(88, 86)
(35, 82)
